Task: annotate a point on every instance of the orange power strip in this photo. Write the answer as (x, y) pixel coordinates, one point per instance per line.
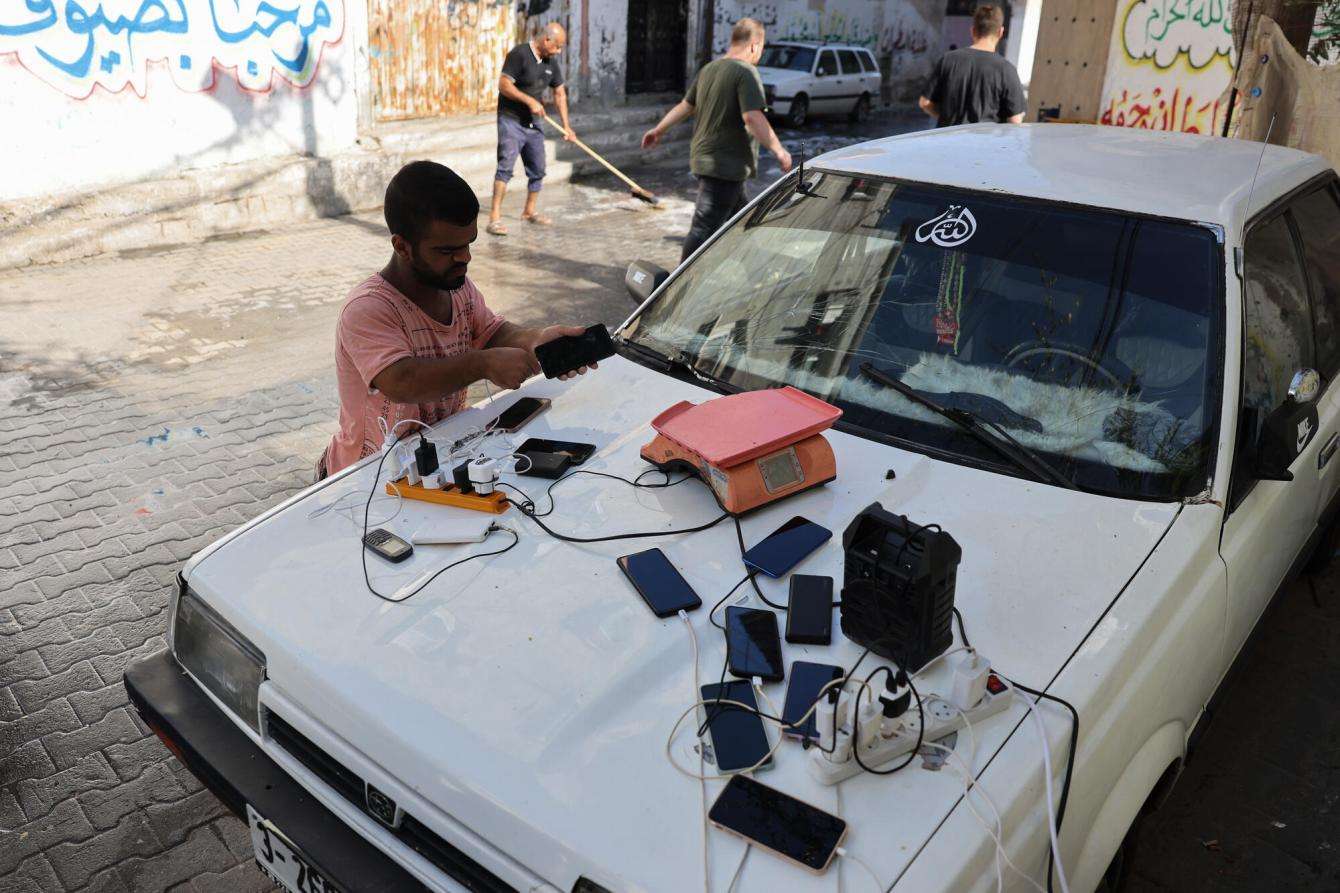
(495, 503)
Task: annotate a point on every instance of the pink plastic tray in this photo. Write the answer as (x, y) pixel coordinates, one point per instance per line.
(738, 427)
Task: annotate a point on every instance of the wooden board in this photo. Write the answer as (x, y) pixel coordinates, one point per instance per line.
(1071, 60)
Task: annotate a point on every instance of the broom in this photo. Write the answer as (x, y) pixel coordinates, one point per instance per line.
(637, 191)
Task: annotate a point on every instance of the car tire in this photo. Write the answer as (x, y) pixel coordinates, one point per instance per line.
(799, 113)
(860, 113)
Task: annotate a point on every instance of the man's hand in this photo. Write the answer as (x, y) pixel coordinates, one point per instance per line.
(508, 367)
(651, 138)
(545, 335)
(536, 107)
(569, 135)
(784, 159)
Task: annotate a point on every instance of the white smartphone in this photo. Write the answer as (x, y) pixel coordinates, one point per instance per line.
(768, 818)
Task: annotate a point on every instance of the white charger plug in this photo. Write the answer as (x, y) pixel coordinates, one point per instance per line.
(970, 672)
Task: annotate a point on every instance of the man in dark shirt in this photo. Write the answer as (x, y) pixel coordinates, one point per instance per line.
(976, 83)
(727, 99)
(529, 69)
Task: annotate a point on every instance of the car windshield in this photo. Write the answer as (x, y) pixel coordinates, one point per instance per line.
(781, 56)
(1091, 337)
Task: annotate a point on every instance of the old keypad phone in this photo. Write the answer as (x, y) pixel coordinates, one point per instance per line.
(791, 828)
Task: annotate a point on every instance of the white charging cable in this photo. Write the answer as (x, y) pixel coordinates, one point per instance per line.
(844, 853)
(702, 778)
(1047, 778)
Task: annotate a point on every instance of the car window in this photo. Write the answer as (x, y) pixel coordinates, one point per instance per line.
(868, 61)
(1093, 336)
(1277, 340)
(793, 58)
(827, 64)
(1317, 216)
(850, 65)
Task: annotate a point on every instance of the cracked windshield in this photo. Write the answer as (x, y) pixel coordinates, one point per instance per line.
(1081, 334)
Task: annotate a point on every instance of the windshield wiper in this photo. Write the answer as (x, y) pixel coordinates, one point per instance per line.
(988, 433)
(675, 364)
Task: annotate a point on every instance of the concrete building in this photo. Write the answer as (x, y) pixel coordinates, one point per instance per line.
(147, 122)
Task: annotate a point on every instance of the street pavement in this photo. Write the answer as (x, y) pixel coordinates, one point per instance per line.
(151, 401)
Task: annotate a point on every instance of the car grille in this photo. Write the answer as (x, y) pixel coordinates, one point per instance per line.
(412, 833)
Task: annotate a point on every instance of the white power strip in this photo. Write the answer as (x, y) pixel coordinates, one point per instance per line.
(942, 718)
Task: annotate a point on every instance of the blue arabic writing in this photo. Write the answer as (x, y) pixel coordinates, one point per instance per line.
(254, 37)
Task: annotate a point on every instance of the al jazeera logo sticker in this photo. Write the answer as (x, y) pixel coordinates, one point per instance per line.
(950, 229)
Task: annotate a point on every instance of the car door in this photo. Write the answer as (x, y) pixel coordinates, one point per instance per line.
(851, 82)
(1316, 219)
(1270, 521)
(827, 78)
(872, 76)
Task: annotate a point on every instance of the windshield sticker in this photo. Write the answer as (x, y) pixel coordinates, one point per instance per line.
(949, 301)
(952, 228)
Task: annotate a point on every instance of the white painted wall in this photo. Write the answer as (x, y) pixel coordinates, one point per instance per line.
(142, 88)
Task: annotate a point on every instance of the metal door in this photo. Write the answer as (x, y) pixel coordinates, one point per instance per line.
(657, 41)
(431, 58)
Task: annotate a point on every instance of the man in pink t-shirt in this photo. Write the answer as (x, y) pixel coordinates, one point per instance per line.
(413, 337)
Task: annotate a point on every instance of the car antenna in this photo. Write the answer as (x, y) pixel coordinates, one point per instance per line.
(801, 186)
(1251, 189)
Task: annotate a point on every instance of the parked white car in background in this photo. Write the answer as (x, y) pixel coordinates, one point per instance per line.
(1139, 330)
(804, 79)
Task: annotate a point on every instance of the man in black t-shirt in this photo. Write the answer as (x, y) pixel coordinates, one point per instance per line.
(976, 83)
(529, 69)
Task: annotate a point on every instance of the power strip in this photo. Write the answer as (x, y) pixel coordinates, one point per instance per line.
(942, 718)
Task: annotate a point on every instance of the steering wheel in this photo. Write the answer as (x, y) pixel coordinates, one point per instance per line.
(1030, 356)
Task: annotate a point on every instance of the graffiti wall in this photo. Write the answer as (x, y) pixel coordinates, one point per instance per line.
(107, 91)
(1169, 65)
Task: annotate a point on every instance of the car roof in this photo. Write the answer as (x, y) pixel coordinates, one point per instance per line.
(816, 45)
(1174, 175)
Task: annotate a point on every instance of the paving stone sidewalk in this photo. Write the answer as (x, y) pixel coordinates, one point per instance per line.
(150, 402)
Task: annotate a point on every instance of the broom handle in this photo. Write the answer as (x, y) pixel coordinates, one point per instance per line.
(594, 154)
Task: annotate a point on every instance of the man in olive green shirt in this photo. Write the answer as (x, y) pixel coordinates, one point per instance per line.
(727, 101)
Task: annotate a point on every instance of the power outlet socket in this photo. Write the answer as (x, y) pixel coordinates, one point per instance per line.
(942, 718)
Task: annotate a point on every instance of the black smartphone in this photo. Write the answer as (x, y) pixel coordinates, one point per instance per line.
(661, 586)
(388, 545)
(545, 465)
(577, 452)
(519, 413)
(809, 612)
(738, 739)
(791, 828)
(572, 352)
(802, 691)
(753, 645)
(786, 547)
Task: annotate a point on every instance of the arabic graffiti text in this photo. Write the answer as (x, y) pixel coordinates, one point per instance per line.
(78, 45)
(1162, 31)
(1177, 110)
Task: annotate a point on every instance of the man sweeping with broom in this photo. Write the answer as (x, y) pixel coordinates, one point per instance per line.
(529, 70)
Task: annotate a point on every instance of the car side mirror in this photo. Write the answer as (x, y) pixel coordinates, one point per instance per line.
(1289, 429)
(643, 278)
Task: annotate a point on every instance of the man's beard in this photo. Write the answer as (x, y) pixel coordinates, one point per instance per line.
(427, 277)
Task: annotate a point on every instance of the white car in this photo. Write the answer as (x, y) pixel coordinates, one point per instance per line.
(1138, 328)
(804, 79)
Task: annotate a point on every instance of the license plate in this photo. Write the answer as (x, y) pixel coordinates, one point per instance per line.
(280, 861)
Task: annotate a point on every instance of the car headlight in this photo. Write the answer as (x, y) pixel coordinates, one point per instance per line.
(218, 656)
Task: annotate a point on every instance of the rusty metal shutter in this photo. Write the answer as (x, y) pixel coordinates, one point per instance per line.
(438, 57)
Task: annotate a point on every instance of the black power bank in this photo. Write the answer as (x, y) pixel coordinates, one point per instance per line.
(572, 352)
(809, 613)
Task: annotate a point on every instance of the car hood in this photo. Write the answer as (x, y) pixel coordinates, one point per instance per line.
(777, 76)
(529, 695)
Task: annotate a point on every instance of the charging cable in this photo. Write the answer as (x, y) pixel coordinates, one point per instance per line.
(844, 853)
(702, 779)
(1051, 803)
